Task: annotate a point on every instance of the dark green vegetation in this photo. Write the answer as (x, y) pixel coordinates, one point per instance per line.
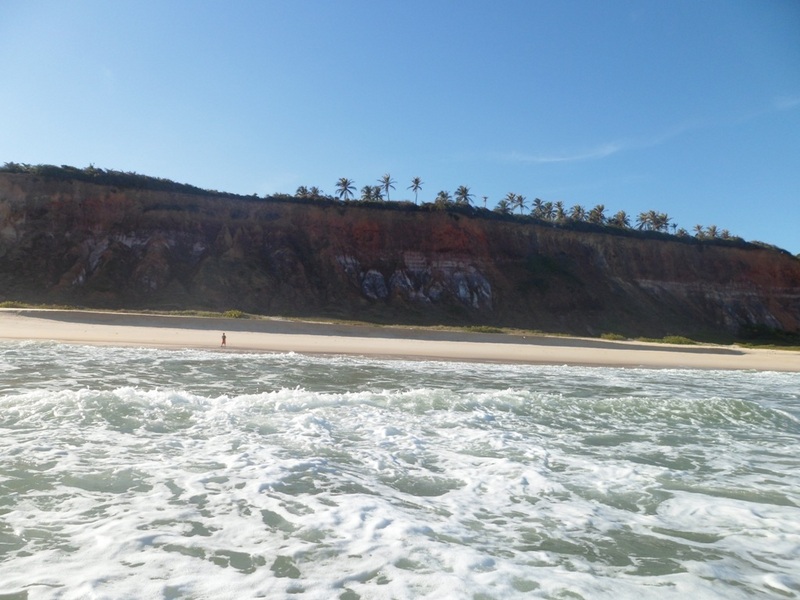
(110, 177)
(759, 336)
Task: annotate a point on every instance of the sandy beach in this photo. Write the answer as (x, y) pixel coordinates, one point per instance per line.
(275, 335)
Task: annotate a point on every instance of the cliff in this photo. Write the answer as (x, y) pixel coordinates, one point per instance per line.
(93, 245)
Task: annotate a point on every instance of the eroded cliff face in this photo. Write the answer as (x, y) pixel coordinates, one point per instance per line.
(83, 244)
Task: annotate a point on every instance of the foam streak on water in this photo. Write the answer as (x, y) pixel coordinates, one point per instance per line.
(163, 474)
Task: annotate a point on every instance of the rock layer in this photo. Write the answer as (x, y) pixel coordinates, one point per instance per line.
(90, 245)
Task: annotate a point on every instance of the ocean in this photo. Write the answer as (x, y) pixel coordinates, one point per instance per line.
(145, 473)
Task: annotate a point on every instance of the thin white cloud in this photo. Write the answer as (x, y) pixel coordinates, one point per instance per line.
(590, 154)
(786, 102)
(602, 151)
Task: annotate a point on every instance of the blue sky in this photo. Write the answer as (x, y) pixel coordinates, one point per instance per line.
(684, 107)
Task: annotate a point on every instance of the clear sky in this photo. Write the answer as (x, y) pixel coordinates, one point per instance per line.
(686, 107)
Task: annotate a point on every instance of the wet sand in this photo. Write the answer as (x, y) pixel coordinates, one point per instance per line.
(276, 335)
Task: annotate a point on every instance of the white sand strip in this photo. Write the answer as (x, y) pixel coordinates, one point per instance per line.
(124, 329)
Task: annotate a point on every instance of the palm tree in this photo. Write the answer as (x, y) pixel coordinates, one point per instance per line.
(712, 232)
(661, 222)
(463, 196)
(698, 232)
(387, 183)
(597, 215)
(315, 192)
(560, 216)
(577, 213)
(503, 207)
(416, 186)
(538, 208)
(485, 200)
(620, 219)
(649, 221)
(443, 198)
(345, 188)
(548, 211)
(366, 193)
(519, 202)
(302, 192)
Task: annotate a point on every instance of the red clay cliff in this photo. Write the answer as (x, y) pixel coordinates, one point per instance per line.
(72, 242)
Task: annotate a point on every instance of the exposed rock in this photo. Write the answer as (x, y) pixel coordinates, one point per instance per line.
(83, 244)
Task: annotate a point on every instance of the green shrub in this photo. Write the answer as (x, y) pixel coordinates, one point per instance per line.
(677, 339)
(483, 329)
(233, 314)
(12, 304)
(763, 335)
(669, 339)
(615, 337)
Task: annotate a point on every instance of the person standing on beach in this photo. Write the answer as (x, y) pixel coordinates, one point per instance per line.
(224, 339)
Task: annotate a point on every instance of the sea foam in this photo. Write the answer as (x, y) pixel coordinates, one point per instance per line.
(151, 474)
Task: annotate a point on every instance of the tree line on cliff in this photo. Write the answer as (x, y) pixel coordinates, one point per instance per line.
(576, 217)
(551, 212)
(648, 224)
